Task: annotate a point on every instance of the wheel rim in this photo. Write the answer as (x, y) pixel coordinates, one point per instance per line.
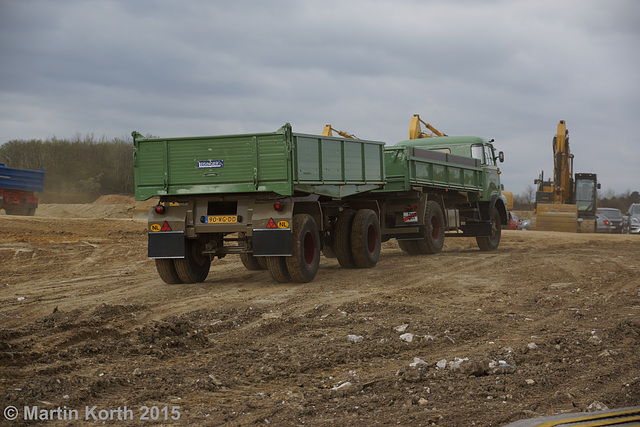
(309, 245)
(372, 239)
(495, 228)
(435, 227)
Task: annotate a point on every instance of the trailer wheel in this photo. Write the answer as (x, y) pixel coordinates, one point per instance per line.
(328, 245)
(167, 271)
(490, 243)
(277, 266)
(195, 265)
(406, 246)
(305, 249)
(434, 233)
(365, 238)
(342, 239)
(252, 262)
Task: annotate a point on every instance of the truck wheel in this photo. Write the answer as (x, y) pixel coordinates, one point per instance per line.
(404, 245)
(342, 242)
(195, 265)
(490, 243)
(433, 234)
(365, 238)
(252, 262)
(167, 271)
(328, 245)
(305, 249)
(277, 266)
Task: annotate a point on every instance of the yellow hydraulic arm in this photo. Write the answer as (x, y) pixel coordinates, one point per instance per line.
(327, 132)
(563, 167)
(415, 132)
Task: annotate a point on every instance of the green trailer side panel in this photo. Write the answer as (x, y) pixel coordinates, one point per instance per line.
(307, 159)
(273, 159)
(353, 162)
(281, 162)
(332, 160)
(185, 156)
(373, 170)
(155, 159)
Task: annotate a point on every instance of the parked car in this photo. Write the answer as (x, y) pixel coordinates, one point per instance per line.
(633, 215)
(514, 221)
(603, 225)
(616, 220)
(525, 224)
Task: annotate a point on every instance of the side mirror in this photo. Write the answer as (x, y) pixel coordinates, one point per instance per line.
(598, 186)
(501, 156)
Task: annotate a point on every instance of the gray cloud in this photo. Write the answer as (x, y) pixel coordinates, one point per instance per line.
(507, 70)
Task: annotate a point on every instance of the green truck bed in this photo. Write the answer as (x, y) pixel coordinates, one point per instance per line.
(281, 162)
(408, 166)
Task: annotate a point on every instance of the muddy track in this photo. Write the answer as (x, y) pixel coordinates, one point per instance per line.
(548, 323)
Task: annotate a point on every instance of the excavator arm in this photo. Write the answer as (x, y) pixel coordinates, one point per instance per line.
(415, 131)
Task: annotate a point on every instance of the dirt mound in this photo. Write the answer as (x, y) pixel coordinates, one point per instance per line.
(115, 199)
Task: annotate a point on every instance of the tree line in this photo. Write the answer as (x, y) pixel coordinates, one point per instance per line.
(78, 169)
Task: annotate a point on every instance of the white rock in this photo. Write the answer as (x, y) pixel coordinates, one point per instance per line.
(597, 406)
(532, 346)
(341, 386)
(401, 328)
(441, 364)
(417, 362)
(408, 337)
(530, 381)
(355, 338)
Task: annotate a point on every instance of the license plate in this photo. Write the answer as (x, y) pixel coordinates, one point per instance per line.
(222, 219)
(410, 216)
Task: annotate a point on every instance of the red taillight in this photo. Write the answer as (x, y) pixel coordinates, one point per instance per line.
(605, 222)
(278, 206)
(159, 209)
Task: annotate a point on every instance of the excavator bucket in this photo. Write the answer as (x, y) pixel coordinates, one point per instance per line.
(557, 217)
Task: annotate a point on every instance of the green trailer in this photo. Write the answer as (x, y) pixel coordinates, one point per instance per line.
(278, 199)
(281, 162)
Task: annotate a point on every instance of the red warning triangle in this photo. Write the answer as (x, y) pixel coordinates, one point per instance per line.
(271, 224)
(165, 227)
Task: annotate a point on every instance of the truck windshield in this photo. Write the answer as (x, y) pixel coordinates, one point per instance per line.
(584, 195)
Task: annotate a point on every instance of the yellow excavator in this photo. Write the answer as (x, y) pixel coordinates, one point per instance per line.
(328, 131)
(566, 204)
(415, 131)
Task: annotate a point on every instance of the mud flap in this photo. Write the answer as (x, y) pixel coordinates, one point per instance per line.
(166, 244)
(272, 242)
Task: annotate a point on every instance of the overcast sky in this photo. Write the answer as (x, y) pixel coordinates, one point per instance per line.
(508, 70)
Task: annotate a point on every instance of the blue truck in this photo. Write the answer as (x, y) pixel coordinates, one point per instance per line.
(18, 188)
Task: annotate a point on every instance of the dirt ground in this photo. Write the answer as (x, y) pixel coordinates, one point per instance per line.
(549, 323)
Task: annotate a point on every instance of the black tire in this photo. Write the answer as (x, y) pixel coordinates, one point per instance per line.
(262, 260)
(433, 241)
(167, 271)
(365, 238)
(277, 266)
(490, 243)
(305, 249)
(404, 245)
(195, 265)
(252, 262)
(342, 239)
(328, 243)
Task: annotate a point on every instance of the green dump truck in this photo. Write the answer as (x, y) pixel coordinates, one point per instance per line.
(279, 199)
